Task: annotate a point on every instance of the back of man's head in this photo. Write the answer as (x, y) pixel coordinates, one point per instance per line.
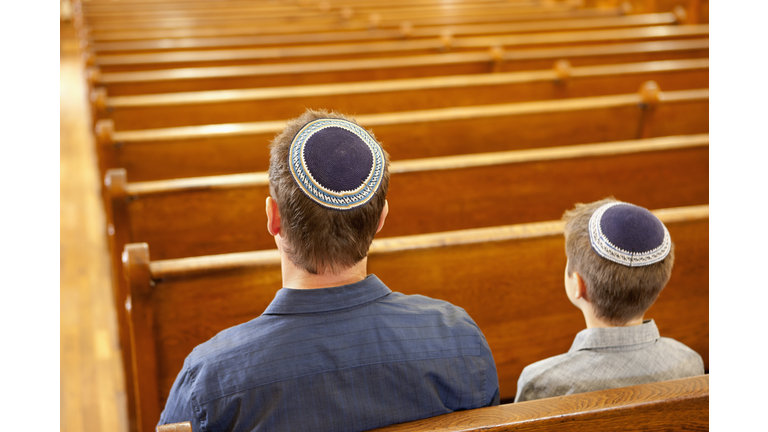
(623, 253)
(329, 177)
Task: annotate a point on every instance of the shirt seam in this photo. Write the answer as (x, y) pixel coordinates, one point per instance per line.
(338, 369)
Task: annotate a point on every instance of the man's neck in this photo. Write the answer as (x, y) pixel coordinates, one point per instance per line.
(298, 278)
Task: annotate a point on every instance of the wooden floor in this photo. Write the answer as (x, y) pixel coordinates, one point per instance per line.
(92, 387)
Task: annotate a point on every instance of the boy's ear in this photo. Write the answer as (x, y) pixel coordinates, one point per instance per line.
(581, 287)
(273, 217)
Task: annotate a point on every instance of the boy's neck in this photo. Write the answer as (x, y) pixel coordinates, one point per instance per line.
(595, 322)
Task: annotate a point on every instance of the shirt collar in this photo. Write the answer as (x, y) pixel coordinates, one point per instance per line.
(301, 301)
(616, 336)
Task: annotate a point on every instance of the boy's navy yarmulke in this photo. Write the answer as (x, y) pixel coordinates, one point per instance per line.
(336, 163)
(629, 235)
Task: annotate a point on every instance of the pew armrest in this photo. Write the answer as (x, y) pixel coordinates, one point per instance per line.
(175, 427)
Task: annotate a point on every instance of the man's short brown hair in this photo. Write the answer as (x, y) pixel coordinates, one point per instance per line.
(318, 239)
(618, 293)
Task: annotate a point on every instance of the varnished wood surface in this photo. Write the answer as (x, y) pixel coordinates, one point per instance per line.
(277, 103)
(175, 427)
(178, 48)
(309, 16)
(521, 309)
(92, 388)
(209, 150)
(663, 406)
(384, 50)
(290, 74)
(245, 28)
(212, 215)
(668, 405)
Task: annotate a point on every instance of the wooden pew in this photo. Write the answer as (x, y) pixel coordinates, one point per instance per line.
(392, 49)
(681, 404)
(509, 279)
(226, 214)
(185, 55)
(306, 16)
(242, 147)
(676, 405)
(374, 22)
(290, 74)
(247, 105)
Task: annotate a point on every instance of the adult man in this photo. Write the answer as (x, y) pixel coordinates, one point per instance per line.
(336, 349)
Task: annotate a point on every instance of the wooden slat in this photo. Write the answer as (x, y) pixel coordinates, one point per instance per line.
(180, 57)
(290, 74)
(677, 405)
(208, 150)
(509, 279)
(210, 215)
(245, 28)
(247, 105)
(384, 49)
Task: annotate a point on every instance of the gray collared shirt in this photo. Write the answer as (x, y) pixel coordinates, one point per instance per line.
(347, 358)
(604, 358)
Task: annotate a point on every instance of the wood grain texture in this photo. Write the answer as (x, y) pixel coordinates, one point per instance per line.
(243, 147)
(512, 288)
(675, 405)
(175, 80)
(279, 103)
(241, 27)
(141, 321)
(215, 51)
(175, 427)
(92, 387)
(205, 216)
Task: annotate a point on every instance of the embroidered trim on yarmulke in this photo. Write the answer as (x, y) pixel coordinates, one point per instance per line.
(609, 251)
(339, 200)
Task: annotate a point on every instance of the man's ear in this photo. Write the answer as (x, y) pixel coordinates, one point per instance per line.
(384, 213)
(273, 217)
(581, 287)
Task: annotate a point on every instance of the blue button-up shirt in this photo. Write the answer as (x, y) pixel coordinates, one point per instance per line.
(347, 358)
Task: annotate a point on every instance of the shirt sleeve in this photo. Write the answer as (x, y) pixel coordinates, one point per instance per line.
(179, 406)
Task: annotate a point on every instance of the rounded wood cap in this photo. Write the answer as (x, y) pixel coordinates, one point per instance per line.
(681, 16)
(446, 40)
(374, 20)
(563, 70)
(497, 53)
(98, 98)
(324, 6)
(104, 131)
(406, 29)
(347, 13)
(650, 93)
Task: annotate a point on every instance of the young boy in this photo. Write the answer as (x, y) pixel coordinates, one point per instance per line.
(620, 257)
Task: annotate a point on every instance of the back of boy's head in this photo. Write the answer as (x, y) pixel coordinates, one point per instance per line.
(621, 285)
(329, 177)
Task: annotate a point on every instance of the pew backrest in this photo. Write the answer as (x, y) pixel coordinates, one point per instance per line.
(278, 103)
(509, 279)
(673, 405)
(676, 405)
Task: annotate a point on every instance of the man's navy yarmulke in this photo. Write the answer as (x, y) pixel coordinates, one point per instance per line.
(336, 163)
(629, 235)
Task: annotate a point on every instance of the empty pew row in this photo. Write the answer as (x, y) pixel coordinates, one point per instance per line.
(213, 215)
(297, 14)
(373, 22)
(194, 151)
(681, 404)
(322, 72)
(218, 43)
(260, 104)
(404, 48)
(509, 279)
